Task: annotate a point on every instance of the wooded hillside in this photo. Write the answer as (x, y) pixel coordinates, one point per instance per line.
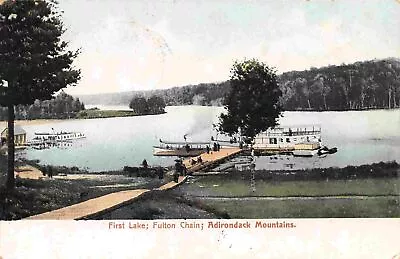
(361, 85)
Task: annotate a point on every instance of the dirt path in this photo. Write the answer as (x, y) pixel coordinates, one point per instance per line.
(28, 172)
(100, 204)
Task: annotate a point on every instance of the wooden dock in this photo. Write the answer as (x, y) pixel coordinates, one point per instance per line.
(211, 159)
(112, 201)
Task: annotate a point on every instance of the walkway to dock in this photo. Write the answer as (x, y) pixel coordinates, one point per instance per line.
(100, 204)
(115, 200)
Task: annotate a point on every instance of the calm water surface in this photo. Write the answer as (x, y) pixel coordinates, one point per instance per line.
(360, 136)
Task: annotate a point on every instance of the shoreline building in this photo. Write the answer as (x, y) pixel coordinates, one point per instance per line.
(19, 136)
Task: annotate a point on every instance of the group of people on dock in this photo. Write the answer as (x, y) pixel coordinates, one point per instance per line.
(199, 160)
(159, 169)
(216, 147)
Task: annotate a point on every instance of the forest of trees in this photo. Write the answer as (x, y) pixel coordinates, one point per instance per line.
(61, 107)
(362, 85)
(142, 106)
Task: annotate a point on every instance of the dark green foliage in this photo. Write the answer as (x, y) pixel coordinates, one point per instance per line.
(375, 170)
(33, 58)
(202, 94)
(94, 114)
(252, 104)
(153, 105)
(363, 85)
(61, 107)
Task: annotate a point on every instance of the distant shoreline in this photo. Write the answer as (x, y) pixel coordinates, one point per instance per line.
(285, 110)
(344, 110)
(115, 114)
(34, 122)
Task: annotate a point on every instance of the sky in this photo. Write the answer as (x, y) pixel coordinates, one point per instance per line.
(143, 45)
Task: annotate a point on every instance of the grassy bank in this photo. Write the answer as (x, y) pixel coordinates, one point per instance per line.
(31, 197)
(380, 207)
(163, 205)
(96, 113)
(375, 170)
(92, 114)
(363, 191)
(217, 186)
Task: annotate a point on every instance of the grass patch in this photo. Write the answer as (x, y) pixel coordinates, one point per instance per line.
(381, 207)
(162, 205)
(93, 113)
(31, 197)
(236, 188)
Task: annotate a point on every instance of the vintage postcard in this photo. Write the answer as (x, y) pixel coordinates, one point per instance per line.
(185, 129)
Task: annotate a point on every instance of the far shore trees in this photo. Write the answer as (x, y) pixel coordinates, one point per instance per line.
(34, 61)
(143, 106)
(63, 106)
(253, 102)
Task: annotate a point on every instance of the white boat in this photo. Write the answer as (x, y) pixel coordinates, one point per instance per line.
(43, 140)
(59, 136)
(184, 149)
(298, 140)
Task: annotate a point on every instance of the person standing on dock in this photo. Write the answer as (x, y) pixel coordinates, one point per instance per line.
(50, 172)
(208, 149)
(160, 172)
(178, 169)
(215, 148)
(145, 164)
(184, 170)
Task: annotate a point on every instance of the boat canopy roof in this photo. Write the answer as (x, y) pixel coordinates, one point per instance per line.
(183, 143)
(55, 133)
(298, 126)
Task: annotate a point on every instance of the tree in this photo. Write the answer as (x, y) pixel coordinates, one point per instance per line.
(305, 89)
(320, 86)
(34, 60)
(252, 103)
(139, 105)
(156, 104)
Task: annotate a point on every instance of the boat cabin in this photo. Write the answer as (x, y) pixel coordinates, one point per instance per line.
(289, 138)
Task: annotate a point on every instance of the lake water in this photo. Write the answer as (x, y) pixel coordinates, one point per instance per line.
(360, 136)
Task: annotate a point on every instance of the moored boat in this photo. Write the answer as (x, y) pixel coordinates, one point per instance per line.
(43, 140)
(59, 136)
(297, 140)
(183, 149)
(325, 150)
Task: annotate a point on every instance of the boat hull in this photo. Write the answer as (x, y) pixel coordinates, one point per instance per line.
(159, 151)
(305, 153)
